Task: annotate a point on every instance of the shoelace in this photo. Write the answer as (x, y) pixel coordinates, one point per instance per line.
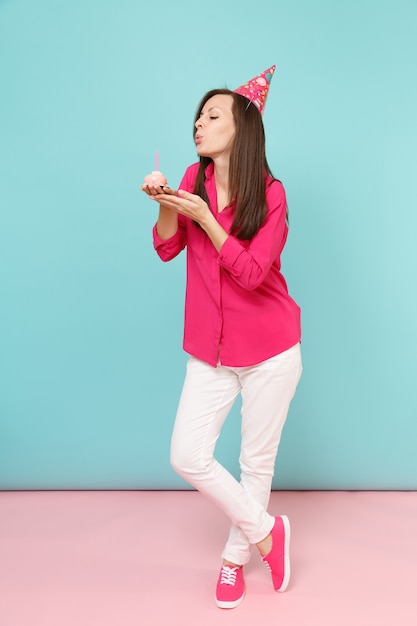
(228, 575)
(267, 564)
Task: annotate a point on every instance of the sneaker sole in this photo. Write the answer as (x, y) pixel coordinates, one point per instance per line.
(287, 535)
(229, 605)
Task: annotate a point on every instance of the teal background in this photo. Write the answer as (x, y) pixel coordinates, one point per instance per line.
(91, 364)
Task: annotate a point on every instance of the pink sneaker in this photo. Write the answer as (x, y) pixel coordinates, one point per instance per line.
(230, 589)
(278, 559)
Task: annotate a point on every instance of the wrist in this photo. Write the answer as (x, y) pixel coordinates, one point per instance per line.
(214, 231)
(207, 221)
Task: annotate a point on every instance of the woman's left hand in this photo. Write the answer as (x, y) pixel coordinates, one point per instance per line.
(188, 204)
(194, 207)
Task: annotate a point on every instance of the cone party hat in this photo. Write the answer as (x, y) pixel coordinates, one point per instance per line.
(256, 89)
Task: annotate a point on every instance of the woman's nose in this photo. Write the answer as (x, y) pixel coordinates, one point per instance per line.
(198, 123)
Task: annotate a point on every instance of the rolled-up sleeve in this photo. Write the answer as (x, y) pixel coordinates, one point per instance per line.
(169, 248)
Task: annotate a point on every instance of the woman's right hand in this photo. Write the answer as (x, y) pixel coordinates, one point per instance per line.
(154, 190)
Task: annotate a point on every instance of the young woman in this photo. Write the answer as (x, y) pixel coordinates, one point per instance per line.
(242, 329)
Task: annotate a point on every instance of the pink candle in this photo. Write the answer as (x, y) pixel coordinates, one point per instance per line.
(156, 177)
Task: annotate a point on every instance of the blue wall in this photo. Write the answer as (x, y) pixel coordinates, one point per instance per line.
(91, 364)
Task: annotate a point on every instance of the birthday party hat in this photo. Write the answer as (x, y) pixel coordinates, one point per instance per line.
(256, 89)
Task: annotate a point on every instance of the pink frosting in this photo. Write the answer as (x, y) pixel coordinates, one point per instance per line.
(155, 178)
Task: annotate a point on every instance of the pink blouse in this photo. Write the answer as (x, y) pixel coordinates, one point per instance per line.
(237, 308)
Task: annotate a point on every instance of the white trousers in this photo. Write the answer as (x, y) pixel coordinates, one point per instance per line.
(206, 399)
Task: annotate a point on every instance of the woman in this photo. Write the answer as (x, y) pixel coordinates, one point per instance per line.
(242, 329)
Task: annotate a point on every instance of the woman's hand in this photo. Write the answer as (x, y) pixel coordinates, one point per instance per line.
(183, 202)
(194, 207)
(158, 190)
(190, 205)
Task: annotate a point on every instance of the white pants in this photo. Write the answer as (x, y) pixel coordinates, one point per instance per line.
(207, 397)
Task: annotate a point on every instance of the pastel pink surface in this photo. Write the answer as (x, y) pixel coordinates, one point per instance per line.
(152, 558)
(155, 178)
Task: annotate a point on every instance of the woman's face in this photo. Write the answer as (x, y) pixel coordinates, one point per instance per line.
(215, 128)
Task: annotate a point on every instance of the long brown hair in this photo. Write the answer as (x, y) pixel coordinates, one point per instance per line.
(247, 166)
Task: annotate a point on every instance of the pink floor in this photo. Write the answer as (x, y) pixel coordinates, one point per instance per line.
(142, 558)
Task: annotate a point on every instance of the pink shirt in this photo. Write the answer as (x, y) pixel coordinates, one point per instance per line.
(237, 308)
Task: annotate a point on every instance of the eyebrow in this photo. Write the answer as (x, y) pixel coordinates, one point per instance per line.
(210, 109)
